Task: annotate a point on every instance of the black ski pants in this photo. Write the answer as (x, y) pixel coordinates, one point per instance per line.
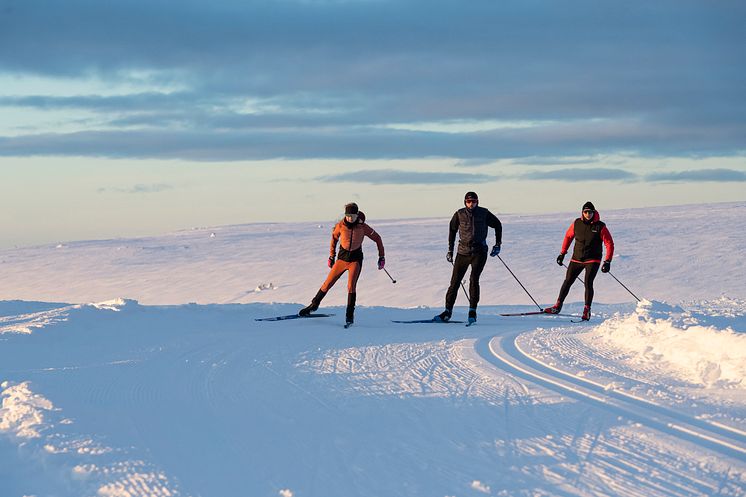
(462, 262)
(573, 271)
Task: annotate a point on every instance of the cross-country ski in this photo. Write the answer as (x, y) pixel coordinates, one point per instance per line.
(294, 316)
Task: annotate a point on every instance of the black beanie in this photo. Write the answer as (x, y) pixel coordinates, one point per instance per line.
(351, 208)
(471, 196)
(588, 205)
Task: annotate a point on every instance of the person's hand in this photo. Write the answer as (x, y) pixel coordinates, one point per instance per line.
(381, 262)
(560, 259)
(606, 267)
(495, 250)
(449, 256)
(330, 262)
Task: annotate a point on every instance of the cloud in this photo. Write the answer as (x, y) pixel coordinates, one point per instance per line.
(397, 177)
(474, 162)
(138, 188)
(577, 174)
(716, 175)
(350, 142)
(653, 79)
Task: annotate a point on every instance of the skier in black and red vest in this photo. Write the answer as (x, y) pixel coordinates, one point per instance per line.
(590, 234)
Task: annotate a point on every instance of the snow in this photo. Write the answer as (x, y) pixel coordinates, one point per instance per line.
(691, 350)
(135, 367)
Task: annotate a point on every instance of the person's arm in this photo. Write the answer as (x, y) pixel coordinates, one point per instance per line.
(608, 243)
(494, 222)
(452, 229)
(335, 238)
(569, 235)
(373, 235)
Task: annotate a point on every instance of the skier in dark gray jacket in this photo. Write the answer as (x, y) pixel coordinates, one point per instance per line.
(471, 223)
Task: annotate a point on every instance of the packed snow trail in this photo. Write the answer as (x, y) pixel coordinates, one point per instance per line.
(726, 440)
(204, 401)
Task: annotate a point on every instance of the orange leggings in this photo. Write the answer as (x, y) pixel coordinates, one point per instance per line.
(338, 270)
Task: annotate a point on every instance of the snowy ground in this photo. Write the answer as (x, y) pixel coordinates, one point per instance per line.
(179, 391)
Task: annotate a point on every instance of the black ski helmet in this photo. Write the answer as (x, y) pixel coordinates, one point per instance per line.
(588, 205)
(470, 196)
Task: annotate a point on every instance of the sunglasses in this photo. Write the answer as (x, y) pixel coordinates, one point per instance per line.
(471, 201)
(588, 211)
(351, 216)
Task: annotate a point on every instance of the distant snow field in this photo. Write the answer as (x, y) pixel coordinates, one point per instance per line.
(136, 367)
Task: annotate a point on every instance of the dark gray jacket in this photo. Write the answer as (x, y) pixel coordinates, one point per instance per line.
(472, 225)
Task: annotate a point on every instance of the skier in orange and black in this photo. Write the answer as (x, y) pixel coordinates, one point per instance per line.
(590, 235)
(349, 232)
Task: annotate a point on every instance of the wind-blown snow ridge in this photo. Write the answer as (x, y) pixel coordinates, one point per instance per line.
(79, 461)
(694, 351)
(27, 323)
(22, 412)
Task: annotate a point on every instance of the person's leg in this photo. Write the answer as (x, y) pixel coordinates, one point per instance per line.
(573, 270)
(591, 270)
(460, 265)
(355, 268)
(477, 266)
(350, 313)
(335, 272)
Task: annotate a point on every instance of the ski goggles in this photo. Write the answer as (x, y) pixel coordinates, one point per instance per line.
(589, 211)
(352, 217)
(471, 201)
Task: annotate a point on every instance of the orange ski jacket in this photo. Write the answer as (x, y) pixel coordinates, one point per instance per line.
(350, 239)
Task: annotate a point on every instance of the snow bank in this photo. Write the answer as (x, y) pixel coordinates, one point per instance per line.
(698, 345)
(22, 412)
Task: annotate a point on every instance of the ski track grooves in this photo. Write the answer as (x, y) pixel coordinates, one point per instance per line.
(503, 351)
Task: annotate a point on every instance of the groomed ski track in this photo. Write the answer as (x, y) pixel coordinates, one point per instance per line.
(503, 352)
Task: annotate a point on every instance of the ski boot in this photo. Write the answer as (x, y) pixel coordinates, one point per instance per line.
(586, 313)
(350, 314)
(555, 309)
(443, 317)
(315, 302)
(472, 316)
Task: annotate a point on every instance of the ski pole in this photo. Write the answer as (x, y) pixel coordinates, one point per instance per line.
(463, 287)
(630, 291)
(387, 274)
(519, 282)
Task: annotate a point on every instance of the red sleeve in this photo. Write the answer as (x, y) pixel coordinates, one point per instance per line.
(371, 233)
(335, 239)
(608, 242)
(569, 235)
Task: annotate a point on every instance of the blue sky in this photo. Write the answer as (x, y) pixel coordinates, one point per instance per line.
(132, 114)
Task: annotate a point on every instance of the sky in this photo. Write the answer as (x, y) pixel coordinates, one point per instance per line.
(142, 117)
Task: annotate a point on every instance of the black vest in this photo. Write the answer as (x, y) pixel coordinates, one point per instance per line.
(472, 230)
(588, 243)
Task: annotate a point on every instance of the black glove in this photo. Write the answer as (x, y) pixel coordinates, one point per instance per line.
(381, 262)
(606, 267)
(495, 251)
(449, 256)
(560, 259)
(330, 262)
